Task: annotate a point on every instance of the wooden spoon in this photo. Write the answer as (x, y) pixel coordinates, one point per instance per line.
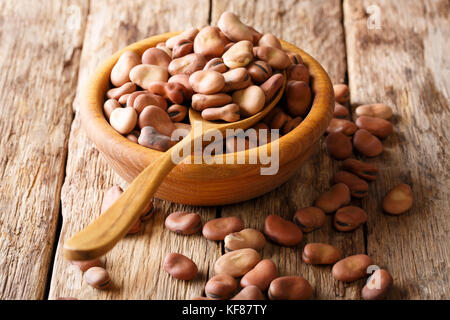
(104, 232)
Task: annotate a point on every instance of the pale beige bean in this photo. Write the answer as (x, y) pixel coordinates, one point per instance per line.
(116, 93)
(189, 34)
(320, 253)
(216, 64)
(209, 43)
(97, 277)
(109, 106)
(201, 102)
(229, 113)
(277, 58)
(239, 55)
(123, 99)
(180, 267)
(132, 97)
(261, 275)
(177, 112)
(336, 197)
(166, 50)
(399, 200)
(250, 100)
(187, 64)
(123, 119)
(351, 268)
(290, 288)
(144, 74)
(269, 40)
(249, 293)
(236, 79)
(233, 28)
(237, 263)
(156, 56)
(85, 265)
(247, 238)
(377, 110)
(120, 73)
(220, 286)
(259, 71)
(206, 81)
(157, 118)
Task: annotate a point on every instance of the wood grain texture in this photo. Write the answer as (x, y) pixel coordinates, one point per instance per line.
(314, 26)
(135, 264)
(39, 57)
(406, 65)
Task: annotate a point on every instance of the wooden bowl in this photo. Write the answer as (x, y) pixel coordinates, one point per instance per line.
(206, 184)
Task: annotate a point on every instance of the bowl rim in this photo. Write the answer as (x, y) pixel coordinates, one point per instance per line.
(291, 145)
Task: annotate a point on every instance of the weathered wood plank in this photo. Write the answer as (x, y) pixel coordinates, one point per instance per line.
(406, 65)
(316, 27)
(135, 264)
(39, 60)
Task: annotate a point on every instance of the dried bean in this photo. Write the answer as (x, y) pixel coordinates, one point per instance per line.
(157, 118)
(339, 146)
(249, 293)
(202, 101)
(246, 238)
(180, 267)
(341, 93)
(109, 106)
(85, 265)
(233, 28)
(144, 74)
(309, 219)
(269, 40)
(298, 97)
(120, 73)
(183, 79)
(239, 55)
(187, 64)
(340, 111)
(295, 58)
(216, 64)
(142, 100)
(320, 253)
(298, 72)
(377, 110)
(189, 34)
(282, 231)
(182, 48)
(220, 286)
(398, 200)
(250, 100)
(237, 263)
(272, 85)
(351, 268)
(116, 93)
(376, 126)
(207, 82)
(261, 275)
(229, 113)
(217, 229)
(123, 119)
(209, 43)
(366, 143)
(183, 222)
(153, 139)
(97, 277)
(349, 218)
(364, 170)
(358, 187)
(259, 71)
(343, 126)
(291, 125)
(236, 79)
(157, 57)
(177, 112)
(277, 58)
(377, 286)
(290, 288)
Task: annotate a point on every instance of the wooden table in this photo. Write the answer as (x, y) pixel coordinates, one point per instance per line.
(53, 179)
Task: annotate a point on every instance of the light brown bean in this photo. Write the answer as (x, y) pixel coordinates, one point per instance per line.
(277, 58)
(343, 126)
(201, 102)
(246, 238)
(188, 34)
(187, 64)
(249, 293)
(207, 81)
(351, 268)
(120, 73)
(181, 222)
(349, 218)
(298, 72)
(157, 118)
(157, 57)
(339, 146)
(97, 277)
(290, 288)
(320, 253)
(364, 170)
(309, 218)
(237, 263)
(209, 43)
(229, 113)
(377, 286)
(282, 231)
(341, 93)
(376, 126)
(366, 143)
(239, 55)
(233, 28)
(399, 200)
(236, 79)
(109, 106)
(153, 139)
(269, 40)
(216, 64)
(144, 74)
(182, 48)
(142, 100)
(261, 275)
(298, 97)
(377, 110)
(220, 286)
(250, 100)
(259, 71)
(177, 112)
(116, 93)
(180, 267)
(272, 85)
(358, 187)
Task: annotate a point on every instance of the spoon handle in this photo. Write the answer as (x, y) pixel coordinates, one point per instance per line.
(104, 232)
